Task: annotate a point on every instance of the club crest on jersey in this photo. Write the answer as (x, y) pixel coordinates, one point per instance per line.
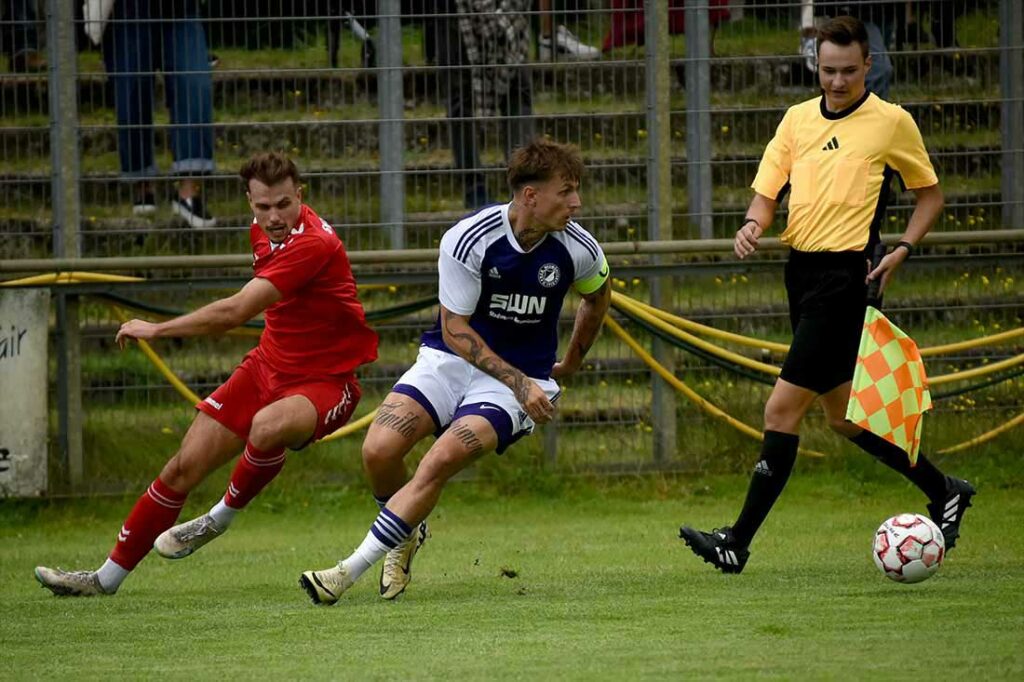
(548, 275)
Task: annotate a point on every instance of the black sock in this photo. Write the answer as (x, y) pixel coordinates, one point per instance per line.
(925, 476)
(769, 478)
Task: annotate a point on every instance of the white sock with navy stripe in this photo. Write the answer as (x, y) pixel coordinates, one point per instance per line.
(387, 532)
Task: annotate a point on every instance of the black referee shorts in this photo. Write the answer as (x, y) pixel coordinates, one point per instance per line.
(827, 299)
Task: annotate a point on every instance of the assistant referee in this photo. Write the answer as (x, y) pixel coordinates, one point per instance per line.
(835, 156)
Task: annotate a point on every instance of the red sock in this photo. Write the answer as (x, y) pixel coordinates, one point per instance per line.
(155, 512)
(255, 469)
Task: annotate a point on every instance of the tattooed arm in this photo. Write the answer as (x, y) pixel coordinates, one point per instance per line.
(464, 340)
(589, 317)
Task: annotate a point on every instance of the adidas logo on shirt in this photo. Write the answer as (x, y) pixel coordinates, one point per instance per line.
(832, 144)
(493, 273)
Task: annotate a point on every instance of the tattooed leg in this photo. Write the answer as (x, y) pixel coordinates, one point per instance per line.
(400, 423)
(465, 441)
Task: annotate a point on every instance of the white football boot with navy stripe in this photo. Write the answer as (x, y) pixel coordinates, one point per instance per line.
(948, 512)
(718, 548)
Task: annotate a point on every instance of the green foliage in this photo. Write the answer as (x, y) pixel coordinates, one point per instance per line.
(603, 588)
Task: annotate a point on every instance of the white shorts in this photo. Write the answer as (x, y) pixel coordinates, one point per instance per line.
(448, 387)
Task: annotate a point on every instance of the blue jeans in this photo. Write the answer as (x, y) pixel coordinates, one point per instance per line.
(144, 36)
(880, 74)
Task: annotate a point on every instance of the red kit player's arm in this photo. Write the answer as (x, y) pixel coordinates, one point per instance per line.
(214, 318)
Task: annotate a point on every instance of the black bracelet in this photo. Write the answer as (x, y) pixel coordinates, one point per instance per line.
(906, 245)
(748, 219)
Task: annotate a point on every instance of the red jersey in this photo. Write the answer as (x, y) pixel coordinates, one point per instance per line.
(319, 326)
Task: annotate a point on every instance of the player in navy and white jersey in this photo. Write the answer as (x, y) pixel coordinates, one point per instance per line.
(487, 372)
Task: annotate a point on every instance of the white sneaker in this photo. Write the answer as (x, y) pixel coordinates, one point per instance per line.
(69, 583)
(395, 574)
(326, 586)
(568, 45)
(179, 541)
(193, 212)
(145, 206)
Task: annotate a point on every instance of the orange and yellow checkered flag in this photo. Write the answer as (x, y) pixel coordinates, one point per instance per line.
(890, 390)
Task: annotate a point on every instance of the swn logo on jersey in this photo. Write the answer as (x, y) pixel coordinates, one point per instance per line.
(518, 303)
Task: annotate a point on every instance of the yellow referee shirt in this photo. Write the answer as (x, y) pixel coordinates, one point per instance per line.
(835, 166)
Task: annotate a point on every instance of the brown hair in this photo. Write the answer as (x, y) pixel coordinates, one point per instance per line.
(844, 31)
(269, 168)
(542, 160)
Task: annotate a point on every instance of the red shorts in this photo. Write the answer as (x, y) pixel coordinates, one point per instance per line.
(255, 384)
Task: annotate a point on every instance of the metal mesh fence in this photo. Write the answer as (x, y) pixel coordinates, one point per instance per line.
(178, 94)
(379, 103)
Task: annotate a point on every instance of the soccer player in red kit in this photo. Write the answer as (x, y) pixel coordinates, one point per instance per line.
(297, 386)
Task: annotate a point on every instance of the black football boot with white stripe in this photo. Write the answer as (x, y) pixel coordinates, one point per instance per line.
(948, 512)
(718, 548)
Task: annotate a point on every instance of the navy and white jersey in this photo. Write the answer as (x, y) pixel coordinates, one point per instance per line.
(513, 297)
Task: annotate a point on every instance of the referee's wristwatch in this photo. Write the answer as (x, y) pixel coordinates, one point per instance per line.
(906, 245)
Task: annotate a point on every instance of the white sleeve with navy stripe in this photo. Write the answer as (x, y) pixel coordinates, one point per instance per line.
(458, 266)
(513, 297)
(458, 284)
(587, 260)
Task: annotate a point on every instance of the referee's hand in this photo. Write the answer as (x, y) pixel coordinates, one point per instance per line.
(745, 242)
(887, 267)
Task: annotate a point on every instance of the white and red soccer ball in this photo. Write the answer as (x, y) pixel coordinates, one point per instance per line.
(909, 548)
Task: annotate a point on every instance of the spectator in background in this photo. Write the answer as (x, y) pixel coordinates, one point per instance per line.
(166, 35)
(561, 42)
(879, 18)
(486, 44)
(21, 36)
(627, 26)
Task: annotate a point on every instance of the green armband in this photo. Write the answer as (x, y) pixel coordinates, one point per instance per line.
(592, 284)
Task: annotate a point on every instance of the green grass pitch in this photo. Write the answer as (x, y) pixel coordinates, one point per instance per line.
(602, 589)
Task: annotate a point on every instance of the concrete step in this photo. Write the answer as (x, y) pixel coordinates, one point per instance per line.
(127, 235)
(433, 184)
(598, 134)
(327, 88)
